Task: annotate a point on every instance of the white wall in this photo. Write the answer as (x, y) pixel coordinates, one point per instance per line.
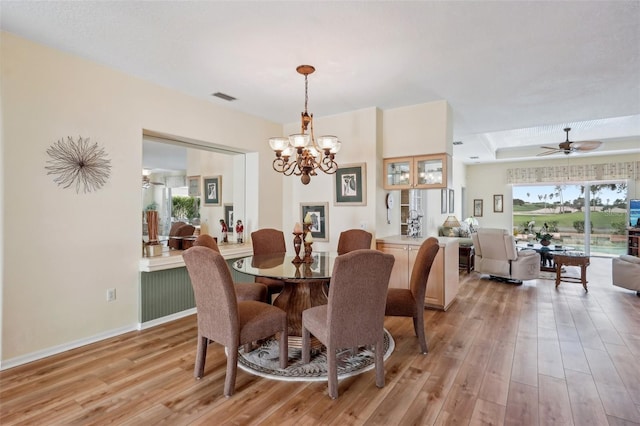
(62, 250)
(483, 181)
(417, 130)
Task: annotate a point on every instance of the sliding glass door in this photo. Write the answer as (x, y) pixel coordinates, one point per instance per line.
(590, 217)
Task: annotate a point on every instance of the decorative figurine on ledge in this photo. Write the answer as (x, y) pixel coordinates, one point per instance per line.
(225, 230)
(239, 231)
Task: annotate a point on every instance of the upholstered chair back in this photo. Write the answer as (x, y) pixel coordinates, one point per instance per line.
(496, 254)
(354, 239)
(495, 243)
(206, 240)
(268, 241)
(215, 295)
(181, 229)
(357, 297)
(422, 267)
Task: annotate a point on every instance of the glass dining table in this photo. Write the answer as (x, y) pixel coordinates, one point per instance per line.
(305, 284)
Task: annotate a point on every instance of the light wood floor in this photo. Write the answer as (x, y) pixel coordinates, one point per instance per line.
(502, 354)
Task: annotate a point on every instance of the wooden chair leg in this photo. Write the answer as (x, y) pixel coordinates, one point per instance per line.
(232, 367)
(201, 356)
(379, 360)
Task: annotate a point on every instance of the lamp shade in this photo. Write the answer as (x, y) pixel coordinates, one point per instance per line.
(327, 142)
(451, 222)
(299, 140)
(278, 144)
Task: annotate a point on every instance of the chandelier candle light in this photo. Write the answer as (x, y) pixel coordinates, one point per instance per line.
(301, 154)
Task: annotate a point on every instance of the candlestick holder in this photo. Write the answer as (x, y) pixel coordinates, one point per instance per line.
(308, 273)
(297, 243)
(307, 253)
(297, 273)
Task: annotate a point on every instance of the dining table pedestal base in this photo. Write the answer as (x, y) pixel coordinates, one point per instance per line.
(295, 297)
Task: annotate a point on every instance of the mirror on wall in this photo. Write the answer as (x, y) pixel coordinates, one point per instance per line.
(194, 184)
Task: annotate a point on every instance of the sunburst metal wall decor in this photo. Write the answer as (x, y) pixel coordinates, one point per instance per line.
(81, 163)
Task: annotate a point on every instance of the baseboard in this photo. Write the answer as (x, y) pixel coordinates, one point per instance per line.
(168, 318)
(54, 350)
(35, 356)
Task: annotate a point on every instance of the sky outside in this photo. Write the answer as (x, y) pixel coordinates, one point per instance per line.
(569, 193)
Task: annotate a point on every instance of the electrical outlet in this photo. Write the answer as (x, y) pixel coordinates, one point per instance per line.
(363, 225)
(111, 294)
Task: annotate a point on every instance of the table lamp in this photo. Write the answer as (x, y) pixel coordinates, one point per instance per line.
(451, 223)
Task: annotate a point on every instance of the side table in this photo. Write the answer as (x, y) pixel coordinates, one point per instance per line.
(571, 259)
(466, 256)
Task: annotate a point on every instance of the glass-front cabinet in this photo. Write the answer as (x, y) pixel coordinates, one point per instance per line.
(419, 172)
(398, 173)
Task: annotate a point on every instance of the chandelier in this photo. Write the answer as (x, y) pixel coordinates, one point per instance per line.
(300, 154)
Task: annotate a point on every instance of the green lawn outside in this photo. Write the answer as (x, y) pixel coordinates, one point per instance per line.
(603, 222)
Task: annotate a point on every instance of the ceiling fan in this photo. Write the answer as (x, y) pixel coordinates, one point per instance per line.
(568, 147)
(146, 182)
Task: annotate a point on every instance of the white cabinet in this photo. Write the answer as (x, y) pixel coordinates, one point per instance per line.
(442, 285)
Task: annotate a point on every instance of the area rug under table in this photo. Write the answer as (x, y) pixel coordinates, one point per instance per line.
(264, 361)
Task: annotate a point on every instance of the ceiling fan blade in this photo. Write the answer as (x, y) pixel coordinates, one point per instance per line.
(551, 148)
(553, 151)
(586, 145)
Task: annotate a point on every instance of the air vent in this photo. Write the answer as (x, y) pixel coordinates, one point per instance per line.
(457, 142)
(475, 157)
(224, 96)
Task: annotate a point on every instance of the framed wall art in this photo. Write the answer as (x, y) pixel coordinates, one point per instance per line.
(451, 201)
(228, 217)
(350, 185)
(477, 208)
(443, 201)
(193, 183)
(319, 213)
(498, 203)
(212, 187)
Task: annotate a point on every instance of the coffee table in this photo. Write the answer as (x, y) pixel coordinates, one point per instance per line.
(572, 259)
(547, 254)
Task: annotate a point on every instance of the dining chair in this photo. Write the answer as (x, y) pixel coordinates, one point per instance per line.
(269, 241)
(224, 319)
(354, 239)
(354, 315)
(244, 291)
(402, 302)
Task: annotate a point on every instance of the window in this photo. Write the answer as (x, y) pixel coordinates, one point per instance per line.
(589, 216)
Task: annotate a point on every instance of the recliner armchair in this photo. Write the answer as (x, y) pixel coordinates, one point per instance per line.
(496, 255)
(625, 272)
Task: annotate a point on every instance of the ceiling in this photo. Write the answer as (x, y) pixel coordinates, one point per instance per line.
(514, 72)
